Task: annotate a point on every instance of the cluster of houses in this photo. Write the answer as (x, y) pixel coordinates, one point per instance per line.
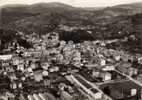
(35, 65)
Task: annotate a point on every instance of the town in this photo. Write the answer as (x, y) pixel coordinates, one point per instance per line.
(63, 70)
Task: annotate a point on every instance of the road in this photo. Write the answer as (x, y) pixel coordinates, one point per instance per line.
(130, 78)
(111, 81)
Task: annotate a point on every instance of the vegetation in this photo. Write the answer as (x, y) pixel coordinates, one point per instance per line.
(107, 23)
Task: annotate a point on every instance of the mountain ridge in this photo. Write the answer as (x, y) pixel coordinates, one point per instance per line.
(58, 3)
(42, 14)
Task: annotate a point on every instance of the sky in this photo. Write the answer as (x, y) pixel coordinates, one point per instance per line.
(76, 3)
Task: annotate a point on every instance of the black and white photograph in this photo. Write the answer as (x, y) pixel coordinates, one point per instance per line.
(70, 49)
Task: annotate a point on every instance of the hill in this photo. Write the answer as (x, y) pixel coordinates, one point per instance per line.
(14, 15)
(105, 23)
(45, 17)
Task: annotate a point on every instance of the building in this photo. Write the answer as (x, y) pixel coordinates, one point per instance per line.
(124, 90)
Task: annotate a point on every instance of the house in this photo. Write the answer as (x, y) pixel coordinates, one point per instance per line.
(33, 65)
(47, 82)
(102, 62)
(117, 58)
(3, 97)
(49, 96)
(125, 57)
(30, 97)
(16, 61)
(20, 67)
(92, 66)
(13, 85)
(54, 69)
(132, 71)
(45, 65)
(98, 96)
(37, 97)
(133, 92)
(123, 67)
(27, 54)
(105, 76)
(10, 96)
(45, 73)
(9, 68)
(62, 43)
(22, 97)
(20, 85)
(38, 76)
(59, 58)
(66, 96)
(6, 63)
(6, 57)
(12, 76)
(108, 68)
(29, 69)
(140, 60)
(95, 73)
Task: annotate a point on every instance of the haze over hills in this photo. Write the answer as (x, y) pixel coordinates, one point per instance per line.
(14, 16)
(46, 7)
